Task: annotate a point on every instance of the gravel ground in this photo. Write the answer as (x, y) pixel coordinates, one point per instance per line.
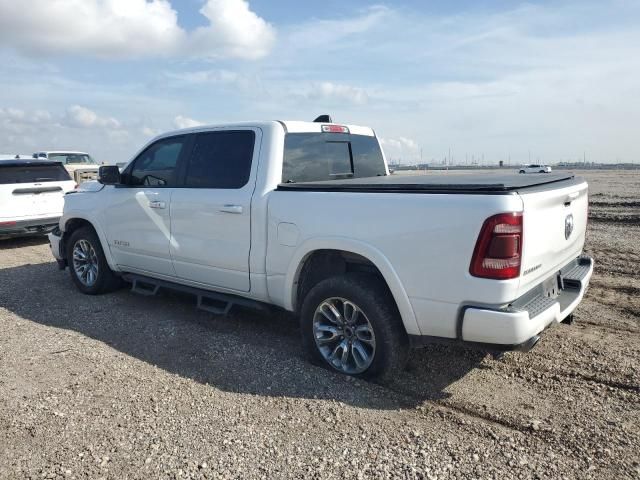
(126, 386)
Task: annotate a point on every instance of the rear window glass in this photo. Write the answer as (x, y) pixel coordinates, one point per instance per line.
(33, 174)
(72, 158)
(312, 157)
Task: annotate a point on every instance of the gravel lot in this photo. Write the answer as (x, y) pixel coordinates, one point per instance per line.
(126, 386)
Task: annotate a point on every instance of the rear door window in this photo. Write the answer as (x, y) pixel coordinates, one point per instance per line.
(220, 159)
(33, 174)
(311, 157)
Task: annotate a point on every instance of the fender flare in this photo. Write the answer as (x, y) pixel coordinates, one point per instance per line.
(363, 249)
(99, 231)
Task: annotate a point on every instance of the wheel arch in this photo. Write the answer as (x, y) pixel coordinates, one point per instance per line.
(73, 223)
(352, 252)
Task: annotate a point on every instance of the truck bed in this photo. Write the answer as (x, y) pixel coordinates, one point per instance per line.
(496, 184)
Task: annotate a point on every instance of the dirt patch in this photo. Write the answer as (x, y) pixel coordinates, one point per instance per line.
(124, 386)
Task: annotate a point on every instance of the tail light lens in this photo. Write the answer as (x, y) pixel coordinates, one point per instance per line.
(498, 251)
(335, 129)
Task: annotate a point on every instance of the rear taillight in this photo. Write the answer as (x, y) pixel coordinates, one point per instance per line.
(498, 250)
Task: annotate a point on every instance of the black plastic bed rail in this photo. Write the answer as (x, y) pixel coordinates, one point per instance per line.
(463, 184)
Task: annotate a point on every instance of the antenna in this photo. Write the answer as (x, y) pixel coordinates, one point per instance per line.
(323, 119)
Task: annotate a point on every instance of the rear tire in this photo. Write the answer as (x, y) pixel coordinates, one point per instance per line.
(371, 343)
(88, 266)
(521, 171)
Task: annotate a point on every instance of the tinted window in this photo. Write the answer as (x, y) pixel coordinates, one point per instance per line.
(339, 159)
(312, 157)
(367, 156)
(71, 158)
(220, 159)
(33, 174)
(156, 166)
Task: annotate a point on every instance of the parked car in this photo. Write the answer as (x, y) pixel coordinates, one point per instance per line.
(31, 196)
(535, 169)
(305, 216)
(14, 156)
(80, 165)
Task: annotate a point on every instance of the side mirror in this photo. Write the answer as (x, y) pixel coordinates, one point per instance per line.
(109, 175)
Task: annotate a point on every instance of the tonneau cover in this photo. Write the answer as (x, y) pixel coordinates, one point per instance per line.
(442, 183)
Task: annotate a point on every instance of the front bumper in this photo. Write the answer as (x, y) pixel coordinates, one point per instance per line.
(55, 240)
(518, 325)
(22, 228)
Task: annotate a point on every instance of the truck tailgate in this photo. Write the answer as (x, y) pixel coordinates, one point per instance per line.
(554, 223)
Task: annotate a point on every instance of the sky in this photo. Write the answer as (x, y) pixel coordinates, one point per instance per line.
(469, 80)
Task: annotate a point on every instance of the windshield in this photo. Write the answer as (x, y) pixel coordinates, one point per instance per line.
(69, 158)
(311, 157)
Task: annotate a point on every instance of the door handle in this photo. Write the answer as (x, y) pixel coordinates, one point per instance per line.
(157, 204)
(571, 197)
(231, 208)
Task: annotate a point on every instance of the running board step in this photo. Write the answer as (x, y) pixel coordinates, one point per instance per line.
(217, 307)
(213, 302)
(144, 288)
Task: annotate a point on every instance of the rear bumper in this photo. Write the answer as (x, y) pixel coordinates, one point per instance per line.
(21, 228)
(518, 325)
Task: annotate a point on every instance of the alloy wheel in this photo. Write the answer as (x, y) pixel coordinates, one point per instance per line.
(85, 263)
(344, 336)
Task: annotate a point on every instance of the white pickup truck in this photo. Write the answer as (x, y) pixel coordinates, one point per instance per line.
(305, 216)
(80, 165)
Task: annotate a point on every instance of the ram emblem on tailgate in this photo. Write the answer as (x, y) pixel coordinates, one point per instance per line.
(568, 226)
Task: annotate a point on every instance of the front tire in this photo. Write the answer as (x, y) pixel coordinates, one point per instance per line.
(521, 171)
(88, 266)
(350, 324)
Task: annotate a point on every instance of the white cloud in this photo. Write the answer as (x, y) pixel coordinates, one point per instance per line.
(149, 132)
(203, 77)
(408, 143)
(338, 93)
(41, 116)
(78, 128)
(13, 114)
(234, 29)
(325, 33)
(400, 149)
(185, 122)
(78, 116)
(132, 29)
